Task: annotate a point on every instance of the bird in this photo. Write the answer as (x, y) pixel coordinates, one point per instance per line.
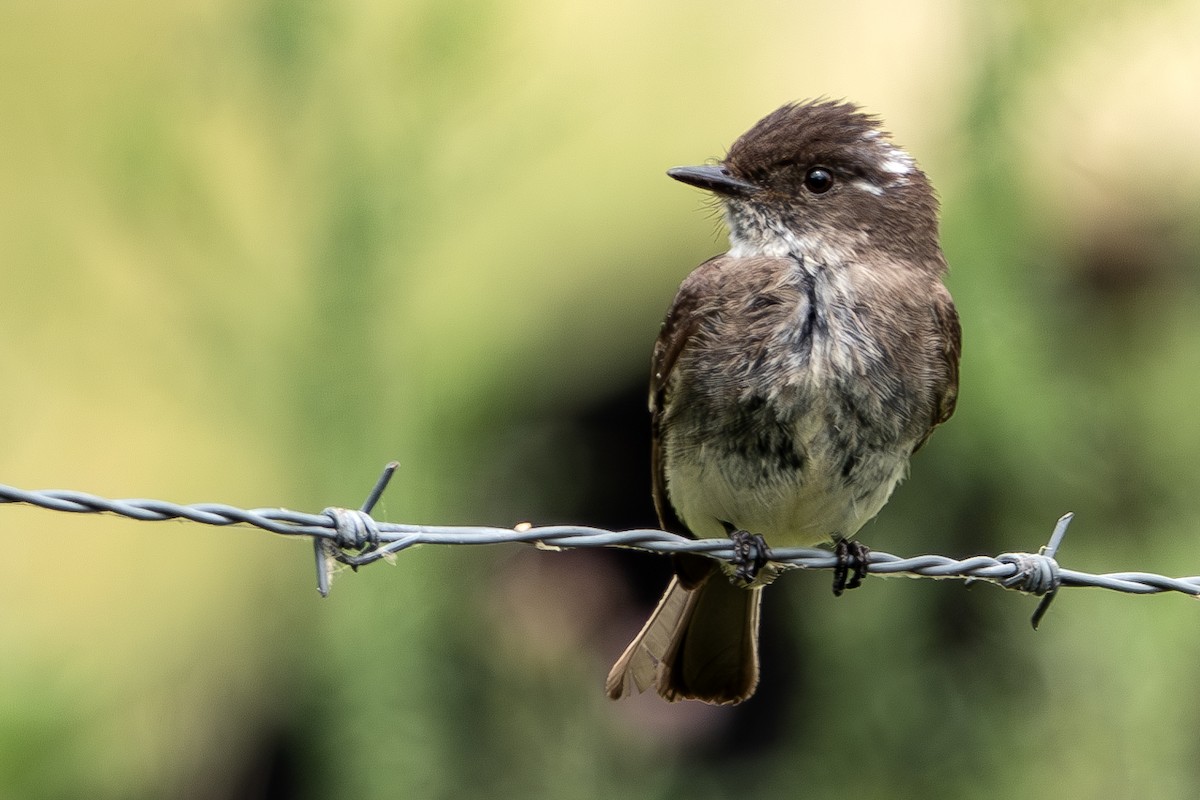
(793, 378)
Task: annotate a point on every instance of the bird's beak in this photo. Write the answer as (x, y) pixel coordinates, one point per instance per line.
(715, 179)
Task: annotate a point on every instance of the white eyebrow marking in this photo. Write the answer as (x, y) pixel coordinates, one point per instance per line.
(867, 186)
(897, 162)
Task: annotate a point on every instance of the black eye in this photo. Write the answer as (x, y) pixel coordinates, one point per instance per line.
(818, 180)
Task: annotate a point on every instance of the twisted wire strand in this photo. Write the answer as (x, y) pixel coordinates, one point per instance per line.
(338, 532)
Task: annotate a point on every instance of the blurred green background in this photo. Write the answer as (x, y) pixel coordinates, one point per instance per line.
(253, 250)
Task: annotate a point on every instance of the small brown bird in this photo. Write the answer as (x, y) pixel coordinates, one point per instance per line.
(793, 378)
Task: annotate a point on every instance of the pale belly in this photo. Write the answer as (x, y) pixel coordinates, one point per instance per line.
(798, 508)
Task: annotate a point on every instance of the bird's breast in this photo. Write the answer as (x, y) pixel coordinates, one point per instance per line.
(786, 415)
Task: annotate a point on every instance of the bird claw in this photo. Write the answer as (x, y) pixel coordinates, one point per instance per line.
(851, 563)
(750, 555)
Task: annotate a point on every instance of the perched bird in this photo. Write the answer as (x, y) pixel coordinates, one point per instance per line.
(793, 378)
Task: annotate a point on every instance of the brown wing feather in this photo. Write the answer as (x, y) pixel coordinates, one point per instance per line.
(680, 324)
(950, 333)
(677, 328)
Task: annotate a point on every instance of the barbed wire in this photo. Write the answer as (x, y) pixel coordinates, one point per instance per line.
(354, 538)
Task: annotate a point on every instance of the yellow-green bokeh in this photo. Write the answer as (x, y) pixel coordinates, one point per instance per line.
(254, 250)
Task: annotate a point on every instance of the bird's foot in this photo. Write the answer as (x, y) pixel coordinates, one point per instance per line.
(851, 563)
(750, 554)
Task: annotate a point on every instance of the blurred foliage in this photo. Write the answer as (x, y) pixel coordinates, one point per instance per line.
(254, 250)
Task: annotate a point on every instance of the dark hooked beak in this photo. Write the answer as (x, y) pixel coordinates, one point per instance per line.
(714, 179)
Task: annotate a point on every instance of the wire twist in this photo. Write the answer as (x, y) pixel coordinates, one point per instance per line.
(355, 538)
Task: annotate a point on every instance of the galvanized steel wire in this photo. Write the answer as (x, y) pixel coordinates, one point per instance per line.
(355, 538)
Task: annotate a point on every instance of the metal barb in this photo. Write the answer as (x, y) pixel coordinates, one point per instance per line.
(385, 478)
(322, 566)
(1060, 531)
(354, 529)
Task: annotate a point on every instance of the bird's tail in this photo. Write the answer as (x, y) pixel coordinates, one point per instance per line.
(700, 643)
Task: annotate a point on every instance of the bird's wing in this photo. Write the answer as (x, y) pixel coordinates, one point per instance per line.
(691, 304)
(679, 325)
(951, 334)
(946, 384)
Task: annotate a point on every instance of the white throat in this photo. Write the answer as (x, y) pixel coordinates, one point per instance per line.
(760, 237)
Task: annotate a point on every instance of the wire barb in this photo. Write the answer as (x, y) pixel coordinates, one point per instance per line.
(355, 530)
(355, 538)
(1038, 573)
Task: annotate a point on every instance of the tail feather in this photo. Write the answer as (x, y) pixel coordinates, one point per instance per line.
(637, 667)
(700, 643)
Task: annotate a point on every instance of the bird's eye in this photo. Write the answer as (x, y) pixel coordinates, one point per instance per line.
(818, 180)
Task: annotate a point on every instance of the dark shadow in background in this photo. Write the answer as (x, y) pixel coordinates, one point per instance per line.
(607, 443)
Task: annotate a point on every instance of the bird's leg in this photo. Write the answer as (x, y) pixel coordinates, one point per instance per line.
(750, 553)
(849, 553)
